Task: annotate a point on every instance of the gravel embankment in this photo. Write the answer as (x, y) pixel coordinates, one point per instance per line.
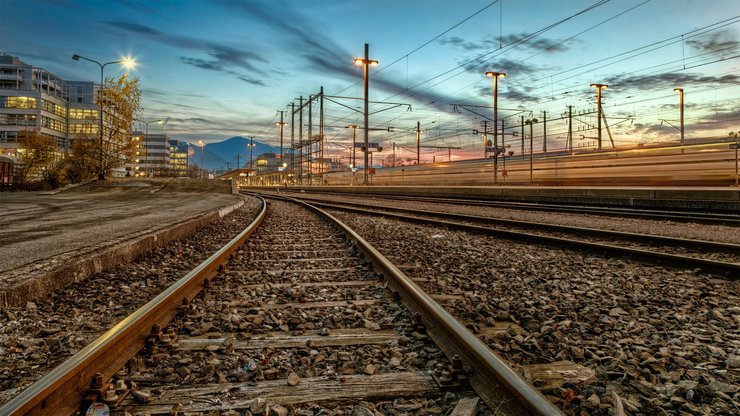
(660, 341)
(634, 225)
(36, 338)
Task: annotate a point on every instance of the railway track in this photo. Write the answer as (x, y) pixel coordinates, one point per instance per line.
(298, 318)
(714, 257)
(677, 216)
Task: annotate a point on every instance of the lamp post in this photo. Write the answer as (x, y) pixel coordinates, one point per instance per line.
(202, 153)
(128, 63)
(531, 145)
(495, 76)
(146, 143)
(251, 145)
(680, 100)
(735, 135)
(599, 87)
(366, 62)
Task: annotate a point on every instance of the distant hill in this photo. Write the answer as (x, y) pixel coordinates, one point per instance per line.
(223, 155)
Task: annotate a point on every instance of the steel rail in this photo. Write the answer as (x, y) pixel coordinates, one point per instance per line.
(490, 371)
(704, 218)
(650, 238)
(61, 391)
(729, 270)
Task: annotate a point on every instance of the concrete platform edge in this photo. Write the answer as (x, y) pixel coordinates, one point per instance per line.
(43, 283)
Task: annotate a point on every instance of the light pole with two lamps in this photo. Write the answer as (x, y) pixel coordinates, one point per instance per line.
(495, 76)
(127, 63)
(366, 62)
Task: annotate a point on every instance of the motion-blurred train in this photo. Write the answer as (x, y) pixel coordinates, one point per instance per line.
(696, 164)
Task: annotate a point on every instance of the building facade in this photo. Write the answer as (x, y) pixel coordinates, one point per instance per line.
(179, 158)
(31, 99)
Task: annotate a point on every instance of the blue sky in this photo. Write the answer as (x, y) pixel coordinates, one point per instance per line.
(223, 68)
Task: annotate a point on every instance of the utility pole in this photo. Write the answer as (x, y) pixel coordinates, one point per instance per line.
(599, 87)
(680, 98)
(485, 139)
(544, 132)
(300, 140)
(282, 125)
(503, 137)
(321, 135)
(366, 62)
(570, 129)
(292, 138)
(310, 139)
(522, 136)
(418, 143)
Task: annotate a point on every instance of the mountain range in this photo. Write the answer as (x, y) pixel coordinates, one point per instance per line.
(224, 155)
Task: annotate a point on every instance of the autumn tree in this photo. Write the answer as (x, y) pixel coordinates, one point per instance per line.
(121, 104)
(83, 163)
(36, 153)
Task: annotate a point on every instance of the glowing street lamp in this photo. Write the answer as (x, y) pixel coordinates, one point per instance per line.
(128, 63)
(202, 153)
(365, 63)
(680, 99)
(599, 87)
(495, 76)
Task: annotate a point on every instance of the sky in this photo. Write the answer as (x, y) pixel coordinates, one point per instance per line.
(223, 68)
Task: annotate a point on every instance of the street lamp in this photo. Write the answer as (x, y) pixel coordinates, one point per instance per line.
(735, 135)
(146, 142)
(352, 150)
(599, 87)
(531, 145)
(365, 64)
(495, 76)
(251, 145)
(202, 153)
(127, 63)
(680, 99)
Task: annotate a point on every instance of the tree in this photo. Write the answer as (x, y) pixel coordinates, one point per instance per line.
(35, 153)
(83, 164)
(121, 104)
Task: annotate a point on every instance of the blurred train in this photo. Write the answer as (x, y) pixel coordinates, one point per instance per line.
(696, 164)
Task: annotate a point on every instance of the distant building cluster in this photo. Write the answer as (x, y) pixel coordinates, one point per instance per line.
(33, 99)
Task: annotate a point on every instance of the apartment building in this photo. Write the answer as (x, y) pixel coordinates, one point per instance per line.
(31, 99)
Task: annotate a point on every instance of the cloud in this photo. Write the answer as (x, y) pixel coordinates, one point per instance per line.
(651, 82)
(136, 28)
(489, 43)
(722, 42)
(224, 58)
(320, 52)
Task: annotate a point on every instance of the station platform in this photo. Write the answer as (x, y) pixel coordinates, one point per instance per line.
(49, 239)
(713, 199)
